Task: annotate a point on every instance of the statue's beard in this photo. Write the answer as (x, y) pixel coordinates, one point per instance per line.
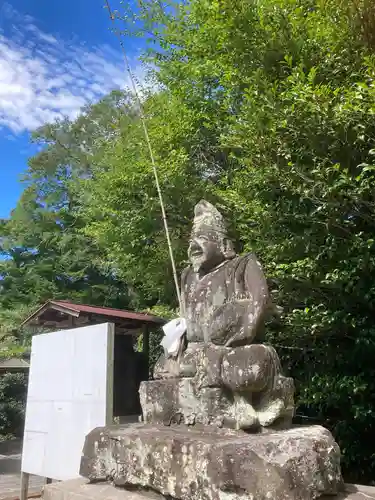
(204, 264)
(197, 264)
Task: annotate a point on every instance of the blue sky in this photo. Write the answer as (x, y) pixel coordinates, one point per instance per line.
(54, 57)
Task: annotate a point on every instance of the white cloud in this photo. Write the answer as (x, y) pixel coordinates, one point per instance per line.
(42, 78)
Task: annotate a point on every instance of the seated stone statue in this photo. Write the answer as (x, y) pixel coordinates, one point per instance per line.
(222, 374)
(216, 374)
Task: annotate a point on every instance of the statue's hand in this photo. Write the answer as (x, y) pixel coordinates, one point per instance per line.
(228, 321)
(188, 366)
(166, 368)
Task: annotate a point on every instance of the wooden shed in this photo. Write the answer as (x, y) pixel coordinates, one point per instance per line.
(130, 366)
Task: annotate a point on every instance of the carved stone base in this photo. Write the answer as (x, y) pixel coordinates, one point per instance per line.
(176, 400)
(189, 463)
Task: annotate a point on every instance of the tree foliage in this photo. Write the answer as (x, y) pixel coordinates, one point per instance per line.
(45, 253)
(12, 404)
(282, 93)
(265, 108)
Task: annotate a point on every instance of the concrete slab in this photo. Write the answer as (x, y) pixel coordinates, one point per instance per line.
(10, 471)
(10, 485)
(355, 492)
(80, 489)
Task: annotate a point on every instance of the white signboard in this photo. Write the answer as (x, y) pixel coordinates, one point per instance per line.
(70, 393)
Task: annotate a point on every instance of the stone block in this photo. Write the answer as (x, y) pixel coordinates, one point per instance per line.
(207, 463)
(176, 400)
(159, 400)
(80, 489)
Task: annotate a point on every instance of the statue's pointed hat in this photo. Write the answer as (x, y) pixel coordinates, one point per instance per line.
(208, 218)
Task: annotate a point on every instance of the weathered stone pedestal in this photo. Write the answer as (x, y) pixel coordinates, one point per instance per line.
(177, 400)
(214, 413)
(207, 463)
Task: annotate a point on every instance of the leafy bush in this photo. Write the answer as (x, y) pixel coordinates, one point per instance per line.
(13, 390)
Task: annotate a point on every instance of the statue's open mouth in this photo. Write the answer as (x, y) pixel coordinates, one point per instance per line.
(197, 253)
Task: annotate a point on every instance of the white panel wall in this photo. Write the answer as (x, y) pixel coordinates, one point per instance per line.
(70, 393)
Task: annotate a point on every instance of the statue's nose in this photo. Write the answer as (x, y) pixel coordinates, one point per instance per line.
(192, 246)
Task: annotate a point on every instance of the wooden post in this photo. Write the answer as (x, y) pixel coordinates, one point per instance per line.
(25, 477)
(146, 347)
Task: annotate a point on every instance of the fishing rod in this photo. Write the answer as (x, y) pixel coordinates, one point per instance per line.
(150, 150)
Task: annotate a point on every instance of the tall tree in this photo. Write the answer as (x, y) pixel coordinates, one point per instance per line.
(45, 253)
(123, 204)
(270, 103)
(265, 108)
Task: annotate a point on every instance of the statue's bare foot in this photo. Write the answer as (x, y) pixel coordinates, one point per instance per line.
(270, 413)
(245, 415)
(166, 368)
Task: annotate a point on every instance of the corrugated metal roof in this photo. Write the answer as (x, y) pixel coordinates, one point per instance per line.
(76, 309)
(13, 364)
(108, 311)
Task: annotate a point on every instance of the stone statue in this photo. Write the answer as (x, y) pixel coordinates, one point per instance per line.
(224, 381)
(225, 376)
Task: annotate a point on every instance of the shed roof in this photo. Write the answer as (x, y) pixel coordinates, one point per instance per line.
(51, 310)
(13, 364)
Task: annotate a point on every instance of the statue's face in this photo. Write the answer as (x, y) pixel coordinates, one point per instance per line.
(205, 251)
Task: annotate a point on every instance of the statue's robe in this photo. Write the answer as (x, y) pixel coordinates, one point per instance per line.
(227, 306)
(225, 312)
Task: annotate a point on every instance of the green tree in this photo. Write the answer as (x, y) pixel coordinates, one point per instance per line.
(122, 206)
(265, 108)
(44, 251)
(280, 95)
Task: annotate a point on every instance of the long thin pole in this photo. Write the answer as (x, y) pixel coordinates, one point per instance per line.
(149, 146)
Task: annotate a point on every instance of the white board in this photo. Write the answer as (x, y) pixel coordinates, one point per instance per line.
(70, 393)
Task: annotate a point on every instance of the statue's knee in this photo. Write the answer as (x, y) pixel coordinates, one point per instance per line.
(209, 362)
(246, 368)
